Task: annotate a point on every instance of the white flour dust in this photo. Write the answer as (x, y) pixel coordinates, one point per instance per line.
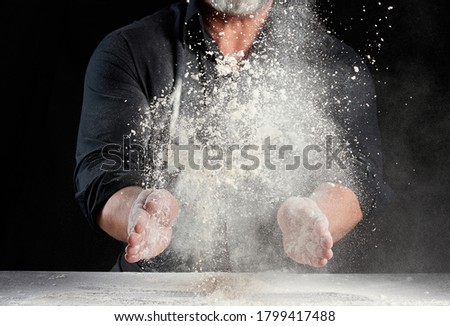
(238, 139)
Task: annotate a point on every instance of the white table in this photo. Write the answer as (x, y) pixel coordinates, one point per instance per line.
(180, 289)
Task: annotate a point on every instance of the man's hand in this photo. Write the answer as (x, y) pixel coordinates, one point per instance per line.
(306, 238)
(150, 224)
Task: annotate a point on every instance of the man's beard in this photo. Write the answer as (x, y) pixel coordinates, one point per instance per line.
(238, 7)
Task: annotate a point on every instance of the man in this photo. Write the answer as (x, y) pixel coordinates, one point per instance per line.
(190, 71)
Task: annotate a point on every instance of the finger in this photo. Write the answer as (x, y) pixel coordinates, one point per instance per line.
(140, 200)
(133, 250)
(132, 258)
(139, 227)
(320, 262)
(320, 225)
(137, 217)
(326, 241)
(135, 243)
(156, 199)
(163, 205)
(135, 239)
(133, 253)
(328, 254)
(154, 202)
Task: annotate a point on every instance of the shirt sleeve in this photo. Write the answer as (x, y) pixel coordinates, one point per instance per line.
(356, 113)
(109, 152)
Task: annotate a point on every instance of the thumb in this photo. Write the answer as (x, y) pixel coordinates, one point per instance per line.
(162, 205)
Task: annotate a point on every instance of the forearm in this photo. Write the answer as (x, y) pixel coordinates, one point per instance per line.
(340, 205)
(113, 218)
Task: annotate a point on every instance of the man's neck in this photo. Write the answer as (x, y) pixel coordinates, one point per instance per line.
(234, 34)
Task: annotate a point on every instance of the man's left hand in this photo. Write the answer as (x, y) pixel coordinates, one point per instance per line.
(306, 238)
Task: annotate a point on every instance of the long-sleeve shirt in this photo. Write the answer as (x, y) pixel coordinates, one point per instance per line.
(162, 82)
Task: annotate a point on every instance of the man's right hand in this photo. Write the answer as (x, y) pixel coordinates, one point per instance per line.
(150, 224)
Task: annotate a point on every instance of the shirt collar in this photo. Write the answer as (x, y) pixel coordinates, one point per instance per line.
(193, 8)
(193, 19)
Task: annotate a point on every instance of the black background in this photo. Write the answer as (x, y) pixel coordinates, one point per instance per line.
(45, 50)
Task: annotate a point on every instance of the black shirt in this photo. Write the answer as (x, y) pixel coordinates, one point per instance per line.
(166, 65)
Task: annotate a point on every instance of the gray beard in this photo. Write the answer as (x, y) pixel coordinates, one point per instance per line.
(237, 7)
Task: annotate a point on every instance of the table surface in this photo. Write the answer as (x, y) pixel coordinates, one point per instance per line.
(239, 289)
